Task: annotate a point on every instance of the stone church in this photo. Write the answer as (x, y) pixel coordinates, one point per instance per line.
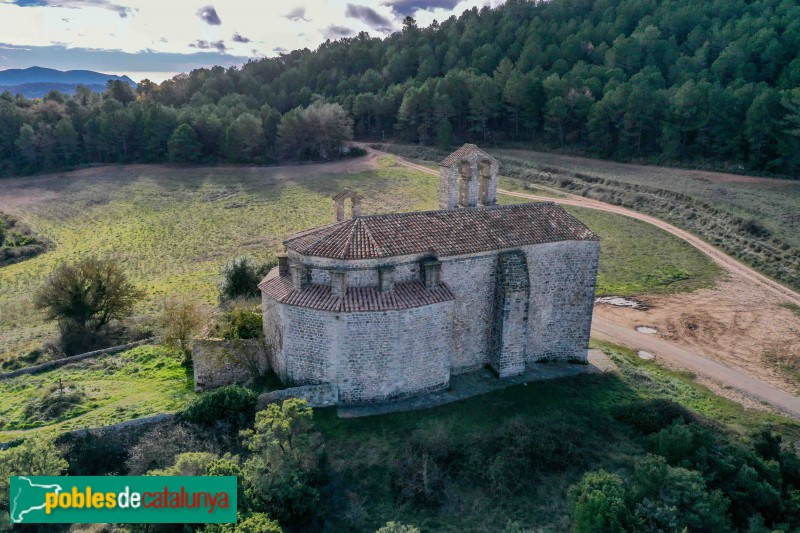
(384, 307)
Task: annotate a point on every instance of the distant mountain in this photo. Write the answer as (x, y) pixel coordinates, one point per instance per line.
(35, 82)
(40, 90)
(17, 76)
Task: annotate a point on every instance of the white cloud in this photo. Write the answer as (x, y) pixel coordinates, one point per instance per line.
(173, 26)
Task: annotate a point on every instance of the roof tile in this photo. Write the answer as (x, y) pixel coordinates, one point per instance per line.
(456, 156)
(442, 233)
(357, 299)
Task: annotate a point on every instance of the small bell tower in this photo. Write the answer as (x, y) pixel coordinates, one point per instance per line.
(339, 200)
(468, 178)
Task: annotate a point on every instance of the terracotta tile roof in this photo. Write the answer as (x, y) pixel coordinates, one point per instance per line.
(347, 193)
(314, 296)
(441, 233)
(456, 156)
(276, 286)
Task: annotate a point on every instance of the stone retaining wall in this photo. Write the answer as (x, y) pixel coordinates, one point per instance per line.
(50, 365)
(316, 395)
(219, 362)
(119, 426)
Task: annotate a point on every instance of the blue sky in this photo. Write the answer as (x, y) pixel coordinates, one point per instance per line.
(160, 38)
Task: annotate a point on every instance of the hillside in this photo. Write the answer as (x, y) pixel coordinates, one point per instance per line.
(37, 82)
(713, 84)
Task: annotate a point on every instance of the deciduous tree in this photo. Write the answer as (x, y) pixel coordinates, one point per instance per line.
(84, 297)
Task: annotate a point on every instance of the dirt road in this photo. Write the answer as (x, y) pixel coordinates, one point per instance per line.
(604, 329)
(721, 334)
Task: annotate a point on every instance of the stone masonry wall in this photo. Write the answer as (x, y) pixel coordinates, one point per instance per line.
(448, 187)
(394, 354)
(308, 345)
(369, 356)
(511, 300)
(219, 362)
(355, 278)
(273, 335)
(563, 277)
(324, 395)
(472, 282)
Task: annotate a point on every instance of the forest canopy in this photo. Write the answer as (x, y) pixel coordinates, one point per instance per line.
(713, 82)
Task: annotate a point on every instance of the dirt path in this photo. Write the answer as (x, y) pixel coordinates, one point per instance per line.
(604, 329)
(734, 335)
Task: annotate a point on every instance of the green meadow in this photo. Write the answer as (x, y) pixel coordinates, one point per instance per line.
(95, 392)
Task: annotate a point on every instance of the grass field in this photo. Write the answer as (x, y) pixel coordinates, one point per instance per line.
(172, 228)
(580, 410)
(140, 382)
(636, 257)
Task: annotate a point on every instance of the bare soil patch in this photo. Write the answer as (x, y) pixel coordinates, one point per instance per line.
(736, 323)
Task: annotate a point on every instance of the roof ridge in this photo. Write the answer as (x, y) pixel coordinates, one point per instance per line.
(345, 247)
(461, 152)
(371, 237)
(442, 232)
(458, 210)
(304, 232)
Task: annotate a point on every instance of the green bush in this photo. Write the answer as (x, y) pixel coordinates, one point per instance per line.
(286, 467)
(232, 403)
(35, 456)
(240, 278)
(675, 442)
(651, 416)
(598, 503)
(242, 323)
(188, 464)
(674, 499)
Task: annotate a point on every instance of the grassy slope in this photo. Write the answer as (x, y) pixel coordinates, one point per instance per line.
(173, 228)
(581, 408)
(141, 382)
(637, 257)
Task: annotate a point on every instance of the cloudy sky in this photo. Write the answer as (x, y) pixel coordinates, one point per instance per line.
(159, 38)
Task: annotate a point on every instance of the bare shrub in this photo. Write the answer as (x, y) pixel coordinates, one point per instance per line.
(85, 297)
(157, 448)
(422, 470)
(179, 321)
